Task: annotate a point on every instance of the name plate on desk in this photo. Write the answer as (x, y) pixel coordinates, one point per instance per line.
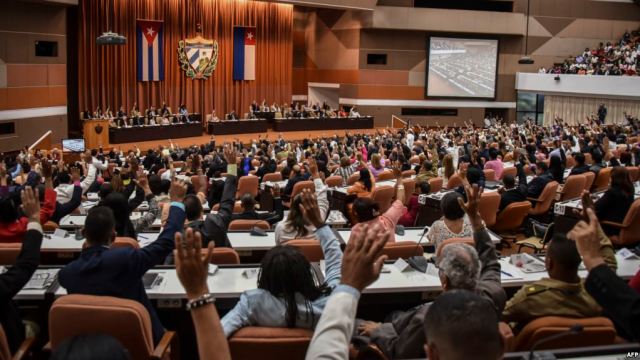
(60, 233)
(402, 265)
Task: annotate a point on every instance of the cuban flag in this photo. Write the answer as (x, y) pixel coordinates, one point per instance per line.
(244, 53)
(150, 54)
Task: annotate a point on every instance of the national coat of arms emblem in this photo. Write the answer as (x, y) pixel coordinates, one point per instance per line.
(198, 56)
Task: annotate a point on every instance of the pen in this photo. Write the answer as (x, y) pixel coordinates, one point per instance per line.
(143, 237)
(506, 273)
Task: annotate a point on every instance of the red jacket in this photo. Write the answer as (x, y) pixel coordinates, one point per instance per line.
(14, 232)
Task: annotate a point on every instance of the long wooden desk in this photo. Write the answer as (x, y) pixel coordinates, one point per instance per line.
(231, 127)
(154, 132)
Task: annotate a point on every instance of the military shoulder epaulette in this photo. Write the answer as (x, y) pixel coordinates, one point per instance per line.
(535, 289)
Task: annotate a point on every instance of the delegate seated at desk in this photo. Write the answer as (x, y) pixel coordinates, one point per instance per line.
(118, 272)
(462, 266)
(287, 295)
(249, 208)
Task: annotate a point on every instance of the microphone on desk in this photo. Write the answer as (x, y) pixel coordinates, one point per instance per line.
(256, 231)
(575, 329)
(419, 263)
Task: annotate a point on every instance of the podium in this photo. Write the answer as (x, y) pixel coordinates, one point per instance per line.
(96, 133)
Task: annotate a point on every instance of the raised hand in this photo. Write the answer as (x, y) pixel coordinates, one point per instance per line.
(363, 259)
(587, 203)
(472, 206)
(191, 266)
(313, 167)
(585, 234)
(309, 208)
(75, 174)
(229, 154)
(178, 190)
(30, 204)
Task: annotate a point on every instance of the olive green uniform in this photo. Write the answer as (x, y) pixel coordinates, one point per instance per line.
(551, 297)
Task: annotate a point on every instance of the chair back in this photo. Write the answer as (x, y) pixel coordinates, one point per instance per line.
(489, 204)
(409, 188)
(223, 256)
(50, 226)
(513, 171)
(546, 199)
(596, 331)
(408, 173)
(310, 248)
(512, 216)
(508, 157)
(589, 178)
(630, 232)
(454, 181)
(269, 343)
(385, 175)
(489, 174)
(468, 241)
(353, 178)
(436, 184)
(301, 185)
(333, 181)
(402, 250)
(126, 320)
(573, 187)
(5, 352)
(383, 195)
(601, 183)
(9, 253)
(276, 176)
(125, 242)
(634, 173)
(247, 184)
(247, 225)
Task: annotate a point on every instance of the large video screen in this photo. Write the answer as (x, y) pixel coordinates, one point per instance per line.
(462, 68)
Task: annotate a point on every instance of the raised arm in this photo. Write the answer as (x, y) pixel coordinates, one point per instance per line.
(154, 253)
(489, 283)
(321, 189)
(362, 265)
(14, 279)
(328, 241)
(192, 269)
(619, 301)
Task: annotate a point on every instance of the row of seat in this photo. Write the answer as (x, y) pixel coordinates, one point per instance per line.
(107, 315)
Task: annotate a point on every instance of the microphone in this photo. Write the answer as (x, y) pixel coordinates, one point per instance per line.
(575, 329)
(256, 231)
(419, 263)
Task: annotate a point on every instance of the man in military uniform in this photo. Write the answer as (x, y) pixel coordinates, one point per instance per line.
(563, 293)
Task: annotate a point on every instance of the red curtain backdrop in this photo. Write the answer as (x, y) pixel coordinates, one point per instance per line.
(107, 74)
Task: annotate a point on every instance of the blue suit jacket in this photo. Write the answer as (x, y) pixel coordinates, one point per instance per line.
(118, 272)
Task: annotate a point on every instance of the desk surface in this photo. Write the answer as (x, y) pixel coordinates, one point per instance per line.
(230, 282)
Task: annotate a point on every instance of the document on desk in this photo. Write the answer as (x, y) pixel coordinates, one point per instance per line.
(509, 271)
(41, 279)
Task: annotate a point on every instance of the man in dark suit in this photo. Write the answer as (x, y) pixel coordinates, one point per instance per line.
(14, 279)
(543, 177)
(580, 167)
(512, 193)
(249, 212)
(296, 176)
(118, 272)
